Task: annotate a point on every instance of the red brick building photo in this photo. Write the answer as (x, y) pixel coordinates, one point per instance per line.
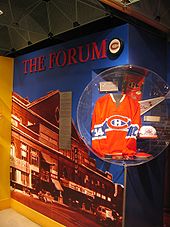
(41, 171)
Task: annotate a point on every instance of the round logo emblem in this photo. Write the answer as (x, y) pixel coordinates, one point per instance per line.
(114, 46)
(118, 122)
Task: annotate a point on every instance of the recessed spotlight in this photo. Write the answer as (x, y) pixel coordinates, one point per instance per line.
(1, 12)
(50, 35)
(76, 24)
(29, 42)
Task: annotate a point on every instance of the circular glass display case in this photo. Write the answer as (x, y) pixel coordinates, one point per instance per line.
(122, 115)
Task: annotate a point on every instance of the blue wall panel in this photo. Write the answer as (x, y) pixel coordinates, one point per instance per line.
(148, 50)
(145, 183)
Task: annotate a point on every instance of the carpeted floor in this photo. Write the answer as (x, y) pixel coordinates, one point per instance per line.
(167, 219)
(10, 218)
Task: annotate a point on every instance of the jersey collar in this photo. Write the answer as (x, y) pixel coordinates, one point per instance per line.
(112, 96)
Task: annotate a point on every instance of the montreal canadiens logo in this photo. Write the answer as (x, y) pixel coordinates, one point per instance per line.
(118, 122)
(114, 46)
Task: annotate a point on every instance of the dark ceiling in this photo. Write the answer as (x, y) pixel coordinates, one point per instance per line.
(29, 24)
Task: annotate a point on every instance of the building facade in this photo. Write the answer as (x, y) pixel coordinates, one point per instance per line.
(39, 166)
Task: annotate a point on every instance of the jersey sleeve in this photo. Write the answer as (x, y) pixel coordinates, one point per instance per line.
(132, 133)
(96, 129)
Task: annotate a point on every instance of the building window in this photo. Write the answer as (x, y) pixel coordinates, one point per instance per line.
(103, 186)
(24, 147)
(34, 174)
(64, 173)
(104, 197)
(12, 151)
(35, 180)
(13, 174)
(29, 123)
(98, 194)
(45, 175)
(34, 160)
(20, 119)
(86, 179)
(98, 183)
(24, 178)
(18, 176)
(109, 199)
(15, 120)
(24, 152)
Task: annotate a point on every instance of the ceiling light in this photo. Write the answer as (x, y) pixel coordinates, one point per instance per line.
(158, 18)
(1, 12)
(50, 35)
(76, 24)
(29, 42)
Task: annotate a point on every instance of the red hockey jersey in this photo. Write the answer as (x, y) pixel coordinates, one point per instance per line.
(115, 127)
